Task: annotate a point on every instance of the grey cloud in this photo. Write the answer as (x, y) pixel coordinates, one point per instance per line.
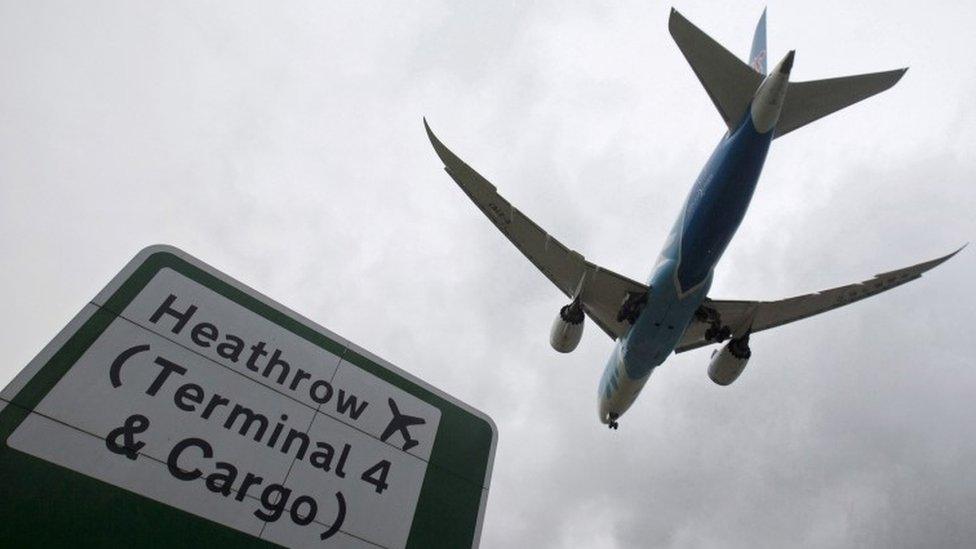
(283, 144)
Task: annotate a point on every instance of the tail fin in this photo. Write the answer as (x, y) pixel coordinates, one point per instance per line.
(809, 101)
(757, 55)
(730, 83)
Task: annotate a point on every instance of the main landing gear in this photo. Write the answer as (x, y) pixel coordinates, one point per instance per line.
(613, 421)
(715, 332)
(632, 306)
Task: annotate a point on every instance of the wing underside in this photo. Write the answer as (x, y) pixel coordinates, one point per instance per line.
(601, 292)
(755, 316)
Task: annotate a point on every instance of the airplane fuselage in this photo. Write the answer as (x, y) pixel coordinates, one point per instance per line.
(683, 273)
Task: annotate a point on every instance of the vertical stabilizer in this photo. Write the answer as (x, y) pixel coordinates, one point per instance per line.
(757, 55)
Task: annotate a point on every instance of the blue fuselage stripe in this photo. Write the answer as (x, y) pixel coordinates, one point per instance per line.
(682, 275)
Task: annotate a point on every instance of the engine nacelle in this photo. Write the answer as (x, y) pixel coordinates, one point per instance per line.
(567, 329)
(727, 364)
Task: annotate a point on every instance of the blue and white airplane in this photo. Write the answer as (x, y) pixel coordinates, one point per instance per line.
(672, 311)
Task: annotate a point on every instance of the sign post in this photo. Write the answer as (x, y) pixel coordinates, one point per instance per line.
(182, 407)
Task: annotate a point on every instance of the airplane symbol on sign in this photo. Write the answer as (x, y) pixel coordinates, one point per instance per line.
(400, 422)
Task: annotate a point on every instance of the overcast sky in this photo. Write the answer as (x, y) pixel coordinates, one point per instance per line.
(282, 143)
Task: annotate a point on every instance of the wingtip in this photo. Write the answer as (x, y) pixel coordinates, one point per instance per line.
(898, 74)
(947, 257)
(430, 135)
(447, 157)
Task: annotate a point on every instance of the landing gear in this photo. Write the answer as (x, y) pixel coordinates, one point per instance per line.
(613, 421)
(631, 308)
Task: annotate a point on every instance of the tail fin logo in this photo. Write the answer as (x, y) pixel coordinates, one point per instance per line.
(759, 62)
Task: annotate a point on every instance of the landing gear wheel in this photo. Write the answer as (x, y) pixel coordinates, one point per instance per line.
(613, 425)
(632, 307)
(717, 334)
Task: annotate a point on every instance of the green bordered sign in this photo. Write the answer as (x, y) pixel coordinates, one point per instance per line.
(182, 407)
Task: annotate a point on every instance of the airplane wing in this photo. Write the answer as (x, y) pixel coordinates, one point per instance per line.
(769, 314)
(601, 292)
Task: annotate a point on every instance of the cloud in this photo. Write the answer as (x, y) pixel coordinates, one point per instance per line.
(284, 145)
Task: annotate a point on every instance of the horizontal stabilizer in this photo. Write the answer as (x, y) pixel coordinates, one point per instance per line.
(809, 101)
(730, 82)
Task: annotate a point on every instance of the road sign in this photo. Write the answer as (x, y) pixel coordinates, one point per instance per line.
(181, 406)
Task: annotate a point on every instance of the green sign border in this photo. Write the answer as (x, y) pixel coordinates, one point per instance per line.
(44, 504)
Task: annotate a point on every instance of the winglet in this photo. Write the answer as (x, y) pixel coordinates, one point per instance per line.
(917, 270)
(953, 254)
(438, 146)
(445, 154)
(457, 168)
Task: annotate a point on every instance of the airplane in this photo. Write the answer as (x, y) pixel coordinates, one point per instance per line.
(672, 312)
(400, 422)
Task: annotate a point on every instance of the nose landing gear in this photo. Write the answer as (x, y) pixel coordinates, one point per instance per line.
(613, 421)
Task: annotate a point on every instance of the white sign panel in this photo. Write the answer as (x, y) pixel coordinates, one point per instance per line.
(204, 402)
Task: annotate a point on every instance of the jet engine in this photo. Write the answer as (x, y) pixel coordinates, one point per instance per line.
(729, 362)
(567, 329)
